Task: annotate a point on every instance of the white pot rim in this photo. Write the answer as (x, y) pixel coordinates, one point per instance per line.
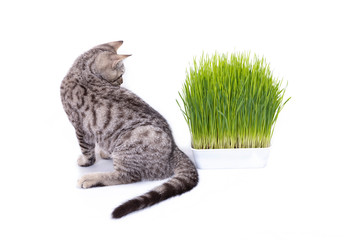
(231, 158)
(230, 149)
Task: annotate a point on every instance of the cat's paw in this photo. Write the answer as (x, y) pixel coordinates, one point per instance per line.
(89, 181)
(104, 155)
(85, 162)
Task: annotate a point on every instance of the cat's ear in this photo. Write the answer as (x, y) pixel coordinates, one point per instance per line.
(119, 58)
(115, 44)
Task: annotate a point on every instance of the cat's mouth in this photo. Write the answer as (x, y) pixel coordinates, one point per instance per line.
(118, 81)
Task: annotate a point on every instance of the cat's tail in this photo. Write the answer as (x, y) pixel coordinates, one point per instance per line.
(184, 179)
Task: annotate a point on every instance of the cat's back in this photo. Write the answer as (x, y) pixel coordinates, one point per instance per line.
(73, 96)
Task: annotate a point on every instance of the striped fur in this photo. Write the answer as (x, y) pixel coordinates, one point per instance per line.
(184, 179)
(125, 128)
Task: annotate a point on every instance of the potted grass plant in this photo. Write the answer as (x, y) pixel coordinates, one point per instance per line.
(231, 103)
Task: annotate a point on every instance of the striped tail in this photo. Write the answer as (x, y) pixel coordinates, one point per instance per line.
(184, 179)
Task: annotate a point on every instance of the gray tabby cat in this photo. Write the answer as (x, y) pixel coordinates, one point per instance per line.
(126, 129)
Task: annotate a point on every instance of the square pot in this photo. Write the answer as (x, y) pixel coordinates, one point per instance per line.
(231, 158)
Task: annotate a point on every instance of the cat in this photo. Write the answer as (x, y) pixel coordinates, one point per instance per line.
(126, 129)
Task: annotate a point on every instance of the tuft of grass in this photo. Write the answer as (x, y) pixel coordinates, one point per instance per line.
(231, 101)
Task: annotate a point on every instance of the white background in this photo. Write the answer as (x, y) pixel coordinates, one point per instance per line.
(310, 188)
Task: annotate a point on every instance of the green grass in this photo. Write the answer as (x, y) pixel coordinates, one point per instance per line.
(231, 101)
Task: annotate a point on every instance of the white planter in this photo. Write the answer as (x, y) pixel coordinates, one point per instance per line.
(231, 158)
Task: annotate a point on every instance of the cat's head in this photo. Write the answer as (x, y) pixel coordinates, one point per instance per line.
(107, 64)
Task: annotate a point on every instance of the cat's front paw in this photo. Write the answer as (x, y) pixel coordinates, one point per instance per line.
(85, 162)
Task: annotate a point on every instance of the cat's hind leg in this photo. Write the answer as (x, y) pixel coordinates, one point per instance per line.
(124, 173)
(105, 179)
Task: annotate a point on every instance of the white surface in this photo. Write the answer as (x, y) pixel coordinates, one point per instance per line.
(310, 188)
(231, 158)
